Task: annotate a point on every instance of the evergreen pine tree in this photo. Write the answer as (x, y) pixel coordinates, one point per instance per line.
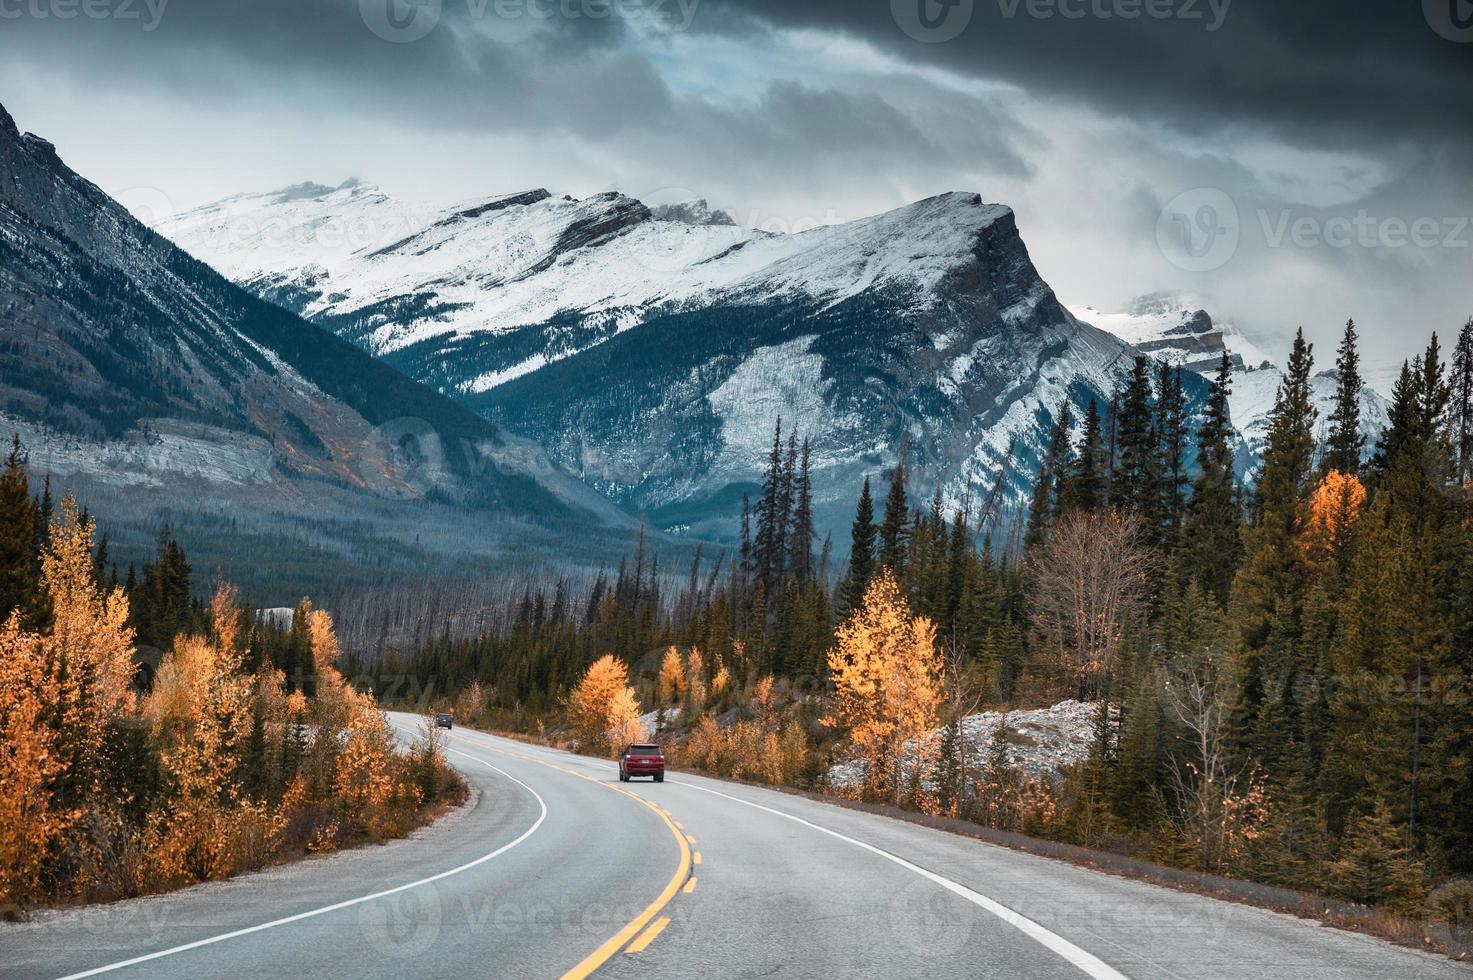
(1084, 488)
(804, 533)
(19, 586)
(1211, 539)
(861, 553)
(1172, 434)
(1345, 441)
(1462, 402)
(1136, 480)
(771, 517)
(1051, 471)
(895, 530)
(1402, 421)
(1269, 591)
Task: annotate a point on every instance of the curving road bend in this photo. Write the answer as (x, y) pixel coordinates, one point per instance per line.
(558, 869)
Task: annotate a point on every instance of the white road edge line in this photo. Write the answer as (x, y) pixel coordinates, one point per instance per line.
(1087, 962)
(339, 905)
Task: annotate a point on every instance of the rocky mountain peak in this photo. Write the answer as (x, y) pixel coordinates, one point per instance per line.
(696, 212)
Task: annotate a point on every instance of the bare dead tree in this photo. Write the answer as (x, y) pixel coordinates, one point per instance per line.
(1217, 802)
(1089, 582)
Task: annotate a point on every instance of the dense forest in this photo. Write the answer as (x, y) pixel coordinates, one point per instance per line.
(1280, 669)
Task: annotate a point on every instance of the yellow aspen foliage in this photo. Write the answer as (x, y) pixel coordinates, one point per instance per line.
(887, 690)
(624, 724)
(1333, 510)
(200, 715)
(721, 680)
(90, 635)
(764, 702)
(331, 707)
(244, 766)
(225, 614)
(672, 677)
(602, 708)
(29, 823)
(365, 784)
(695, 672)
(470, 702)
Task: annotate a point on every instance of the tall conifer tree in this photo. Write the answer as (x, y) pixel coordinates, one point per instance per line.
(1270, 588)
(895, 531)
(19, 584)
(1345, 441)
(1211, 538)
(1084, 488)
(1462, 402)
(861, 552)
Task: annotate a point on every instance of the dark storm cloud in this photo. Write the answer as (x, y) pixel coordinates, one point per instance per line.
(485, 66)
(1334, 72)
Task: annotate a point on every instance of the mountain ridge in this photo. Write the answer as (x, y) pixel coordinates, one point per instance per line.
(1176, 327)
(652, 355)
(135, 369)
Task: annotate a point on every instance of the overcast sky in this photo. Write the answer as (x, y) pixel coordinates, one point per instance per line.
(1295, 161)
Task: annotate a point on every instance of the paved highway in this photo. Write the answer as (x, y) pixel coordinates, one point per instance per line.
(558, 869)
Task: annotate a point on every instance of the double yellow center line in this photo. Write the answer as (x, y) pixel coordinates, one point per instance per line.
(682, 880)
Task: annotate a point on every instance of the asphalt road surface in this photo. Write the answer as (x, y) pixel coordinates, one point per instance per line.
(559, 869)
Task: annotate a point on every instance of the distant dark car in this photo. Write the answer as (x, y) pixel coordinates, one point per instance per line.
(442, 720)
(642, 760)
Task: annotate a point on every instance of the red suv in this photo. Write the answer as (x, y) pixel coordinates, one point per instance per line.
(642, 760)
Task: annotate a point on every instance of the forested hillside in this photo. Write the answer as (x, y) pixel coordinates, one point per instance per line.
(1280, 673)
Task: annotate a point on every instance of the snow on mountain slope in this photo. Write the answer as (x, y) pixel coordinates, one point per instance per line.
(651, 350)
(126, 360)
(500, 263)
(1175, 327)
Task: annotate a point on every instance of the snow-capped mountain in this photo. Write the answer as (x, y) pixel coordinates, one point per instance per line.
(1175, 327)
(651, 350)
(129, 364)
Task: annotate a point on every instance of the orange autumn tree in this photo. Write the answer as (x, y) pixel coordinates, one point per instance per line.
(200, 715)
(1333, 510)
(91, 646)
(29, 822)
(672, 677)
(695, 672)
(64, 698)
(886, 674)
(602, 708)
